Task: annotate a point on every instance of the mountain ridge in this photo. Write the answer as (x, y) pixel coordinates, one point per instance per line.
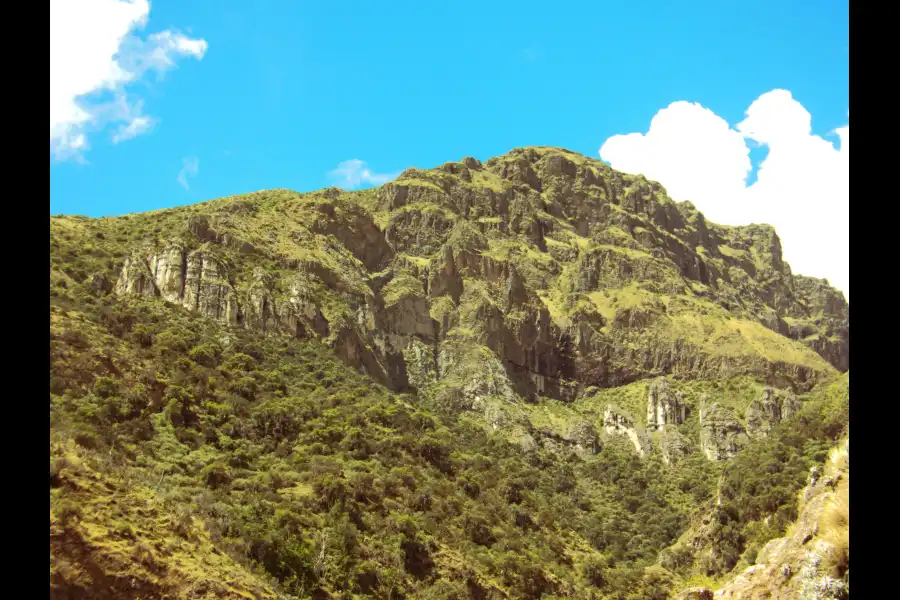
(395, 205)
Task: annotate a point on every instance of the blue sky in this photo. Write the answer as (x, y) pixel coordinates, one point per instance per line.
(286, 91)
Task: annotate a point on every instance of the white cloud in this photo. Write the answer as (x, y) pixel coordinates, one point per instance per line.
(802, 186)
(190, 167)
(93, 52)
(354, 173)
(133, 129)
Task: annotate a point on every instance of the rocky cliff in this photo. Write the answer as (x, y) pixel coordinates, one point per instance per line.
(664, 406)
(571, 273)
(721, 434)
(768, 410)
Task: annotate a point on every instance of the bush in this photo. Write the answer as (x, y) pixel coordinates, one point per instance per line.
(206, 354)
(216, 475)
(67, 512)
(592, 571)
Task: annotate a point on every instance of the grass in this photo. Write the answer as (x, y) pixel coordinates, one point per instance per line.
(834, 522)
(487, 179)
(617, 233)
(714, 330)
(631, 398)
(425, 207)
(629, 252)
(609, 301)
(555, 242)
(420, 261)
(414, 182)
(133, 533)
(732, 252)
(834, 528)
(401, 285)
(552, 415)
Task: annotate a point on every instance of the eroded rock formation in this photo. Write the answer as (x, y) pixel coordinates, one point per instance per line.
(721, 433)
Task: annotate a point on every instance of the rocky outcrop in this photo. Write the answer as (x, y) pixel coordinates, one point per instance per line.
(405, 311)
(206, 289)
(204, 229)
(583, 435)
(470, 373)
(809, 563)
(356, 231)
(136, 278)
(665, 406)
(674, 446)
(821, 320)
(421, 230)
(195, 280)
(201, 281)
(694, 593)
(767, 411)
(520, 171)
(169, 269)
(613, 267)
(618, 422)
(721, 433)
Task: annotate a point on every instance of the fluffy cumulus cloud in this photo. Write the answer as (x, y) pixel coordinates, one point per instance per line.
(801, 188)
(94, 57)
(355, 173)
(190, 167)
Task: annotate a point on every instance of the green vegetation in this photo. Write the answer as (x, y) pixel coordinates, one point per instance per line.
(294, 466)
(759, 487)
(400, 393)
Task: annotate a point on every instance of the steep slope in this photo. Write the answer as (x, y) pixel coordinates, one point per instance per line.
(207, 450)
(562, 355)
(812, 561)
(535, 252)
(775, 489)
(111, 538)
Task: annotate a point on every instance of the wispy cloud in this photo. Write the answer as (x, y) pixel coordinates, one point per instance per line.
(355, 173)
(137, 126)
(190, 167)
(95, 56)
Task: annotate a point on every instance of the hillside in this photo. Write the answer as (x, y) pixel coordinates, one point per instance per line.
(521, 378)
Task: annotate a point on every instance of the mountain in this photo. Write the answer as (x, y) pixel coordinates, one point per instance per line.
(522, 378)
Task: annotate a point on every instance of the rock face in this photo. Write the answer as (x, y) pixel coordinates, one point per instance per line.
(665, 406)
(195, 280)
(618, 422)
(721, 433)
(821, 320)
(674, 446)
(583, 435)
(169, 269)
(135, 278)
(772, 407)
(513, 255)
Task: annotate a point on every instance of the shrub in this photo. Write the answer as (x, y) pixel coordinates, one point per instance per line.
(67, 512)
(592, 570)
(206, 354)
(216, 475)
